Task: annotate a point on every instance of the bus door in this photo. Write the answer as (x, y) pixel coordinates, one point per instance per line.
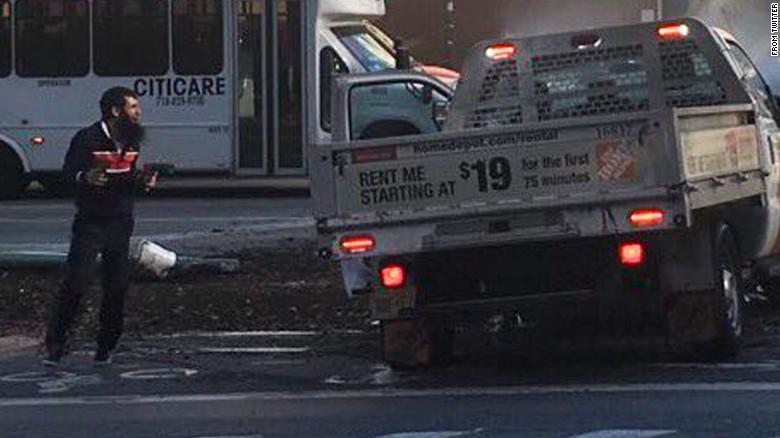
(251, 88)
(289, 48)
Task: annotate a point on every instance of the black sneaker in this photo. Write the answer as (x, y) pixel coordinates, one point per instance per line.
(52, 360)
(102, 358)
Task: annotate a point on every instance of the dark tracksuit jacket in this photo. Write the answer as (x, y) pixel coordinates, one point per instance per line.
(102, 225)
(117, 198)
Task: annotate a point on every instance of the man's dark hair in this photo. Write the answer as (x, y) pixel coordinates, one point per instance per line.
(114, 98)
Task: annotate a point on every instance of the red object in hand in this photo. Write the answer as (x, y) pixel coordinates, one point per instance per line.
(115, 162)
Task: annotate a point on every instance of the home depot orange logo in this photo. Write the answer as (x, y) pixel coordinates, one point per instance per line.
(616, 161)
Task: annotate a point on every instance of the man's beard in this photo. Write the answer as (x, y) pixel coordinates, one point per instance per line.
(128, 132)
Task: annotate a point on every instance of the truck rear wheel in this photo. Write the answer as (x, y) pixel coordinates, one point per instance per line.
(710, 324)
(728, 294)
(12, 182)
(415, 343)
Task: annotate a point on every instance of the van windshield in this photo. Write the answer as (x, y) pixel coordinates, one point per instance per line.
(364, 45)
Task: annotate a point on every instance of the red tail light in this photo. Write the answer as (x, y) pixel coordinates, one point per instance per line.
(393, 276)
(357, 244)
(37, 140)
(674, 31)
(632, 254)
(498, 52)
(646, 217)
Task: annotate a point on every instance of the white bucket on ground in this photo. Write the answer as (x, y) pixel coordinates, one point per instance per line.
(156, 258)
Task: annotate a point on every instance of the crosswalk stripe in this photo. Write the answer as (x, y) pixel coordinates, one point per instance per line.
(626, 433)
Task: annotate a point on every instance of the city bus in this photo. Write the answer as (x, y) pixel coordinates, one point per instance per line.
(231, 88)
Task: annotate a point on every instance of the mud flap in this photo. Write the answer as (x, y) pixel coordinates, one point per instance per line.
(406, 344)
(691, 319)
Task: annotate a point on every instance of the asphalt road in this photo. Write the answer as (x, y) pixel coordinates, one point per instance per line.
(44, 224)
(309, 384)
(313, 384)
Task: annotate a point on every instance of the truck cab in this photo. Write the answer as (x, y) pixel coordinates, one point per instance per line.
(350, 46)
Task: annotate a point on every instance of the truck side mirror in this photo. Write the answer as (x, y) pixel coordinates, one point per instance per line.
(403, 60)
(441, 110)
(750, 74)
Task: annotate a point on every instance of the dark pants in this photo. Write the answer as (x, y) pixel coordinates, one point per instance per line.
(91, 236)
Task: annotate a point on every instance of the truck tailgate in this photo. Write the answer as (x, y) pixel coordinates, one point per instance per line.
(496, 166)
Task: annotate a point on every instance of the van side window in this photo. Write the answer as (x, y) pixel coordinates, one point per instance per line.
(52, 38)
(755, 83)
(130, 37)
(330, 65)
(197, 37)
(5, 38)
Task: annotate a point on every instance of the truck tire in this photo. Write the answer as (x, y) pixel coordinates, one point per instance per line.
(728, 295)
(12, 183)
(414, 343)
(708, 324)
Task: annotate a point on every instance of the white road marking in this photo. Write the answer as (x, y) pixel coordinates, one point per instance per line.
(158, 374)
(399, 393)
(279, 362)
(433, 434)
(36, 206)
(36, 376)
(721, 366)
(626, 433)
(67, 383)
(348, 332)
(381, 375)
(230, 436)
(248, 334)
(252, 350)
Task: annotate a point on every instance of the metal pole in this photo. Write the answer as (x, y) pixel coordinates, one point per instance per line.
(450, 30)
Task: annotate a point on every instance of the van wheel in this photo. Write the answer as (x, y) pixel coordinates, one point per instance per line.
(413, 343)
(12, 183)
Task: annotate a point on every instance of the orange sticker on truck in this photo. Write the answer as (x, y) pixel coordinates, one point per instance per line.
(616, 161)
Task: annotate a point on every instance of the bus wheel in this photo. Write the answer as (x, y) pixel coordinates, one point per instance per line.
(54, 184)
(12, 183)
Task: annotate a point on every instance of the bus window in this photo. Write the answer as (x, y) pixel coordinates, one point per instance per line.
(197, 37)
(290, 92)
(364, 46)
(130, 37)
(52, 38)
(5, 38)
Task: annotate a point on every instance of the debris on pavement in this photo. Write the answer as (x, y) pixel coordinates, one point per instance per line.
(149, 258)
(283, 288)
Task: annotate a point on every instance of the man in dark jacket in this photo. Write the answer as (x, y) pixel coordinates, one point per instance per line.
(101, 164)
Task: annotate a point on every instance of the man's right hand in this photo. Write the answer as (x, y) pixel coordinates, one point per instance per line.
(95, 177)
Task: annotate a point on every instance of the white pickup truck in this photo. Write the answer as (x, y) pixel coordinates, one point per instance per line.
(624, 175)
